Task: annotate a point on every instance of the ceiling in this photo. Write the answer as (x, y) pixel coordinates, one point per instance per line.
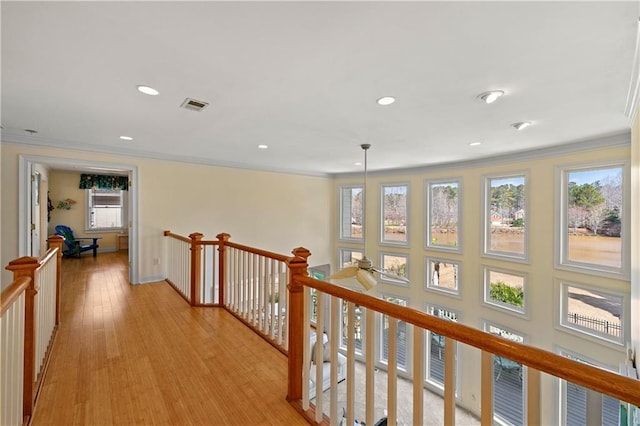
(303, 78)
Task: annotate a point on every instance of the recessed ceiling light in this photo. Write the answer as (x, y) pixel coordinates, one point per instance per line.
(148, 90)
(386, 100)
(475, 143)
(31, 131)
(491, 96)
(521, 125)
(126, 138)
(263, 146)
(357, 163)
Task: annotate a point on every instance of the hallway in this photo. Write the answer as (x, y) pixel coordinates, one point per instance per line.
(141, 355)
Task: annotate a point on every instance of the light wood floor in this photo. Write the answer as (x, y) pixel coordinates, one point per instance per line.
(140, 355)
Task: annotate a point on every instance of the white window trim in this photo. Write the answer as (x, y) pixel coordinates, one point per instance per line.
(341, 213)
(584, 332)
(430, 383)
(437, 289)
(561, 237)
(409, 355)
(505, 307)
(525, 340)
(561, 397)
(428, 200)
(388, 280)
(123, 214)
(486, 223)
(381, 240)
(342, 250)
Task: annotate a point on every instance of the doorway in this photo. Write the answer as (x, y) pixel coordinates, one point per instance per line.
(31, 202)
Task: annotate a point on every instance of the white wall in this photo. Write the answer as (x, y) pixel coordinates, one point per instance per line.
(273, 211)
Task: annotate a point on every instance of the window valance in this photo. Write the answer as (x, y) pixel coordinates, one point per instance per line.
(103, 182)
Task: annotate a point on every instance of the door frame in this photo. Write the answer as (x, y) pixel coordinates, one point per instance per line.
(25, 164)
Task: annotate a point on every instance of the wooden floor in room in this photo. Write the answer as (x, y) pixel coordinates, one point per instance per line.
(141, 355)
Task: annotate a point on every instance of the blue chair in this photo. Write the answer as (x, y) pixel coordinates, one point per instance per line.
(505, 364)
(75, 246)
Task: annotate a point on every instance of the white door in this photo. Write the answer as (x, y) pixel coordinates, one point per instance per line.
(36, 201)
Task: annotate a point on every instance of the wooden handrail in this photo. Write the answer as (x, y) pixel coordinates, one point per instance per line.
(11, 293)
(259, 252)
(615, 385)
(177, 237)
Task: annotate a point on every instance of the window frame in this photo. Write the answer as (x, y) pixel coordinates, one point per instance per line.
(562, 231)
(505, 307)
(486, 223)
(562, 400)
(342, 215)
(380, 322)
(487, 324)
(429, 244)
(589, 333)
(429, 279)
(123, 212)
(387, 280)
(342, 251)
(428, 380)
(381, 206)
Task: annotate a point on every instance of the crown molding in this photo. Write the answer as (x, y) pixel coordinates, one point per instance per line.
(620, 139)
(38, 141)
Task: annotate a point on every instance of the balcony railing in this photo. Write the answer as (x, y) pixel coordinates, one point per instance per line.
(30, 317)
(250, 283)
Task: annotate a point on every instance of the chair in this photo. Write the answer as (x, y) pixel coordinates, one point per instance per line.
(74, 245)
(437, 340)
(503, 364)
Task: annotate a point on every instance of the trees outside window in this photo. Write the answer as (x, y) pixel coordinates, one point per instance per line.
(443, 214)
(351, 213)
(505, 216)
(593, 218)
(394, 214)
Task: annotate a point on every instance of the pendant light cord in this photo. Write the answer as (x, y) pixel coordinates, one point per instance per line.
(365, 147)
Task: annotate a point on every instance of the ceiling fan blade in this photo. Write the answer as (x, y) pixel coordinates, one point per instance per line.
(366, 279)
(347, 272)
(390, 275)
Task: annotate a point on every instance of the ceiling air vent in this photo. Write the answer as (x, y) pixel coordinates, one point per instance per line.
(194, 105)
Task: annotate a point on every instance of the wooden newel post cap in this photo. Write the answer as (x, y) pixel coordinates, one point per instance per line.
(223, 236)
(24, 262)
(301, 252)
(196, 236)
(55, 238)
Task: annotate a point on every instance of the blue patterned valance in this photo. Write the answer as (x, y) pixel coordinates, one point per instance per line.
(104, 182)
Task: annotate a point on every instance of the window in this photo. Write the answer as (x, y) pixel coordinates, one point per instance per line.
(508, 388)
(505, 290)
(444, 214)
(358, 327)
(442, 275)
(394, 214)
(592, 220)
(395, 264)
(106, 209)
(505, 221)
(573, 400)
(436, 349)
(351, 213)
(402, 339)
(593, 312)
(349, 257)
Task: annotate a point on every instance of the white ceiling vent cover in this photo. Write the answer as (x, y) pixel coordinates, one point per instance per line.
(194, 105)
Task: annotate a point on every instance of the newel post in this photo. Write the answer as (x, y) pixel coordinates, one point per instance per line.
(297, 268)
(26, 267)
(196, 267)
(56, 241)
(222, 265)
